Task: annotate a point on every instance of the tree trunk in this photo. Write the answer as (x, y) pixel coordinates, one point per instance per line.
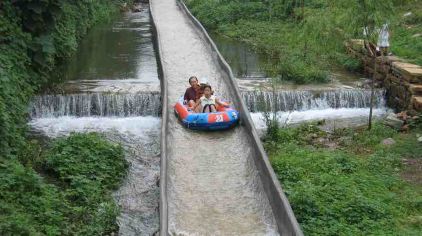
(371, 104)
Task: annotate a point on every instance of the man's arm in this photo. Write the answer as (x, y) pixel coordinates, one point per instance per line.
(221, 103)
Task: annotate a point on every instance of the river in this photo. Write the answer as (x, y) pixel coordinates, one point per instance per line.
(112, 86)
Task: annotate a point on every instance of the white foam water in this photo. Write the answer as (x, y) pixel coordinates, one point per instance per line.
(354, 116)
(133, 126)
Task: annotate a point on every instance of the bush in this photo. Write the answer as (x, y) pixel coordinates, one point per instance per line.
(28, 206)
(298, 70)
(351, 64)
(34, 37)
(87, 162)
(73, 197)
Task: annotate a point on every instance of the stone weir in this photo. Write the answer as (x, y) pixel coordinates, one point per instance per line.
(212, 183)
(402, 80)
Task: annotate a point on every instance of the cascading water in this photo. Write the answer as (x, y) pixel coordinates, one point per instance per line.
(149, 103)
(341, 107)
(96, 104)
(109, 86)
(296, 100)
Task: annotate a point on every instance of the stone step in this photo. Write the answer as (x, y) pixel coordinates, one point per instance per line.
(401, 64)
(417, 103)
(409, 72)
(416, 89)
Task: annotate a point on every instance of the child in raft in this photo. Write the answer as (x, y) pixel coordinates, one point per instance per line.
(208, 101)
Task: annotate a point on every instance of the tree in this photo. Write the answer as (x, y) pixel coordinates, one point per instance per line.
(366, 17)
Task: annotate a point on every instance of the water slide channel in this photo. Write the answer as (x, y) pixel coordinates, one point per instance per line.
(212, 183)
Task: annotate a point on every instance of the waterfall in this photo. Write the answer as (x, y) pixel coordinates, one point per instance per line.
(149, 104)
(291, 100)
(96, 104)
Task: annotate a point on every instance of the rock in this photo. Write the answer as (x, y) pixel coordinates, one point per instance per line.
(359, 84)
(402, 115)
(331, 145)
(412, 112)
(137, 8)
(405, 128)
(409, 13)
(420, 139)
(388, 142)
(346, 141)
(321, 140)
(392, 121)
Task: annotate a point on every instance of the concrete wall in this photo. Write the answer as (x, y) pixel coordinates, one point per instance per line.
(402, 80)
(164, 127)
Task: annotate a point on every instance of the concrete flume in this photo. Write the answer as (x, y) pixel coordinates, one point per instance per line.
(215, 183)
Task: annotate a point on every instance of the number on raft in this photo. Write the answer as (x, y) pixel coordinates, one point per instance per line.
(219, 118)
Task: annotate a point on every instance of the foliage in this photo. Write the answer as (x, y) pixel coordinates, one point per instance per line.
(355, 189)
(366, 14)
(304, 42)
(34, 37)
(86, 161)
(349, 63)
(72, 197)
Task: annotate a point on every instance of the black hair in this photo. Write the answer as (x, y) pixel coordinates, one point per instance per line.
(207, 86)
(192, 77)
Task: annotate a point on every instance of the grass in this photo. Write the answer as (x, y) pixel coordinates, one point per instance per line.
(407, 35)
(353, 189)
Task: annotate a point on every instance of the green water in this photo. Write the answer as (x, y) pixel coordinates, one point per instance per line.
(243, 60)
(247, 65)
(118, 50)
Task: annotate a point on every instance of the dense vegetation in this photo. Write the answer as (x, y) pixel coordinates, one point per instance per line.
(304, 39)
(347, 182)
(73, 195)
(34, 37)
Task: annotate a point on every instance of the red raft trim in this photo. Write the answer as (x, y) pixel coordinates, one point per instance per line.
(181, 110)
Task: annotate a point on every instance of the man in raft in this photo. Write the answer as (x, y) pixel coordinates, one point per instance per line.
(193, 93)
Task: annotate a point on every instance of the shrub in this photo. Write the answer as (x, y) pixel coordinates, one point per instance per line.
(34, 37)
(74, 195)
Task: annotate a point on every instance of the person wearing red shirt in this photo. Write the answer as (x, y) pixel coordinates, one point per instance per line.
(193, 93)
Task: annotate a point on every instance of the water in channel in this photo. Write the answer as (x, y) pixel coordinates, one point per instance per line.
(111, 86)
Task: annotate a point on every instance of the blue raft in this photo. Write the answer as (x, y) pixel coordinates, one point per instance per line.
(224, 118)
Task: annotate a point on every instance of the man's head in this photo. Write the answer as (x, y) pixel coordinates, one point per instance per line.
(193, 81)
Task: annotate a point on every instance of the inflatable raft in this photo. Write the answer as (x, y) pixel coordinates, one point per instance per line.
(224, 118)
